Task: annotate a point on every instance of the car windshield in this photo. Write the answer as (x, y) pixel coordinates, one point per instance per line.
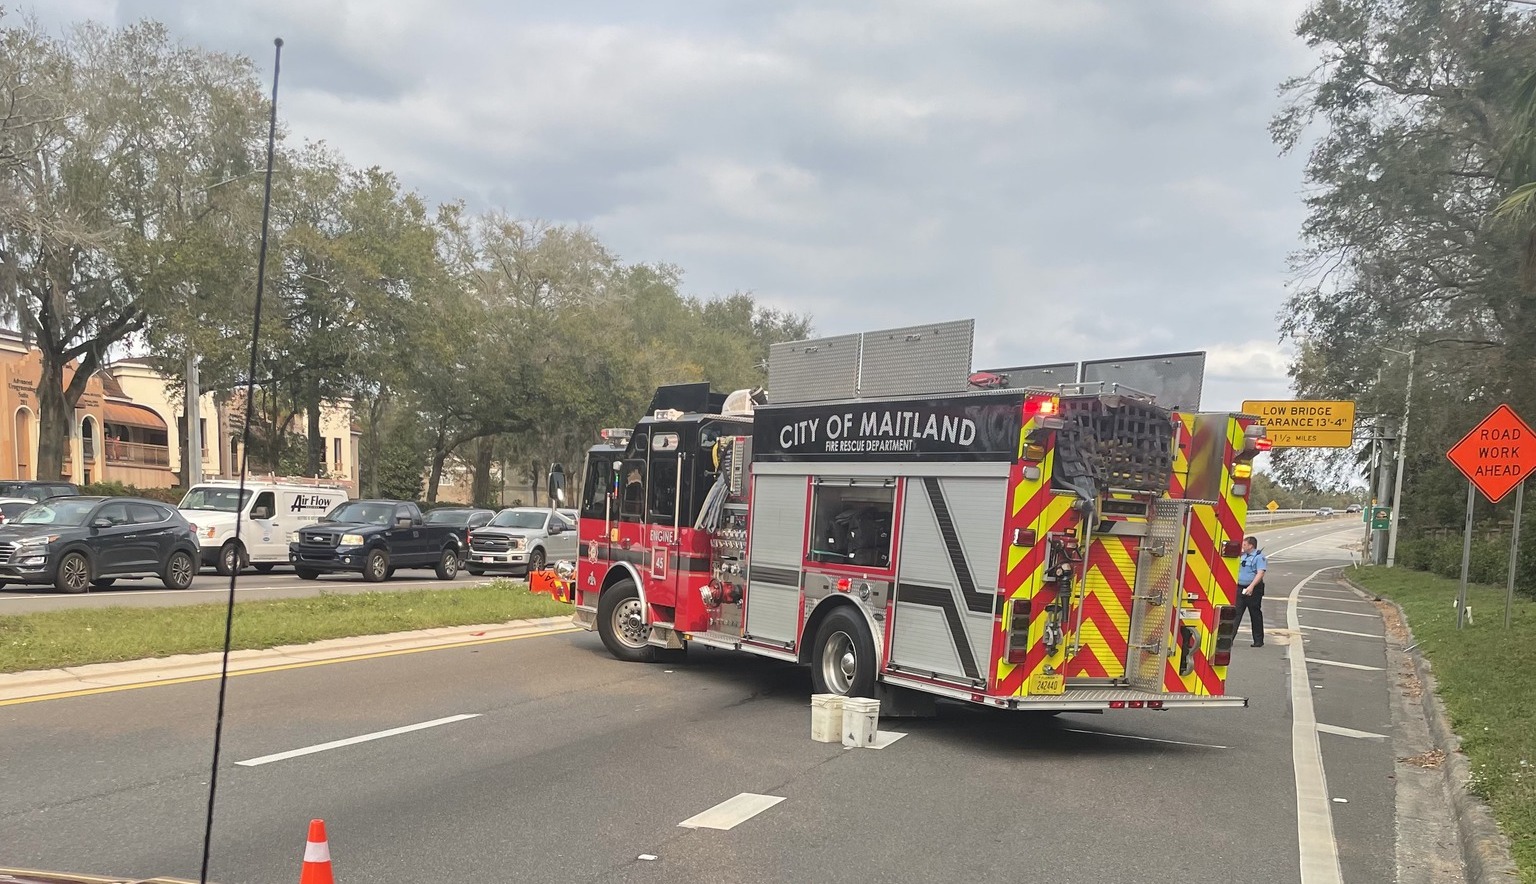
(223, 500)
(58, 512)
(446, 517)
(362, 511)
(519, 519)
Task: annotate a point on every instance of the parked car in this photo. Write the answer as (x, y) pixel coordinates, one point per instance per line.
(463, 519)
(33, 490)
(11, 507)
(269, 512)
(374, 538)
(76, 543)
(522, 539)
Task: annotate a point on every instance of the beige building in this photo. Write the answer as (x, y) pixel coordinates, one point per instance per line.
(220, 424)
(129, 428)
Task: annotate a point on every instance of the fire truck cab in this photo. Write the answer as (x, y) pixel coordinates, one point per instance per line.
(1056, 549)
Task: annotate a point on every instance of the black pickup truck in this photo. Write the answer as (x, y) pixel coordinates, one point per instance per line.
(374, 538)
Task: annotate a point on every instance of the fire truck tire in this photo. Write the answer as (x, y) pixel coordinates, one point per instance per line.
(843, 659)
(621, 623)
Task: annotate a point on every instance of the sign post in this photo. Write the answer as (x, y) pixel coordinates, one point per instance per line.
(1514, 552)
(1292, 423)
(1495, 456)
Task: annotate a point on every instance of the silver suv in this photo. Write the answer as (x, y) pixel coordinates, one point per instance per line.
(522, 539)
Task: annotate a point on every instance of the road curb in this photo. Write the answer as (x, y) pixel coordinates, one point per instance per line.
(1484, 847)
(45, 682)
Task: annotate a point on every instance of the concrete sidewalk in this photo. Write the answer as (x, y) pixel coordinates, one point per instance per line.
(21, 686)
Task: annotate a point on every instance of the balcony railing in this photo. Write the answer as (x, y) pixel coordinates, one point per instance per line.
(138, 454)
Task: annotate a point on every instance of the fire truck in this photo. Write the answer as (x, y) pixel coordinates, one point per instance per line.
(1066, 548)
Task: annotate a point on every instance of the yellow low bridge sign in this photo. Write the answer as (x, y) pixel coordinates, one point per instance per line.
(1299, 423)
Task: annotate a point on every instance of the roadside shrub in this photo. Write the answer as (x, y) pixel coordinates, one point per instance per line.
(118, 489)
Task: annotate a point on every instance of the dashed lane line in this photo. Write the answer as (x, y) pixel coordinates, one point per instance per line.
(731, 812)
(1343, 632)
(353, 741)
(1340, 663)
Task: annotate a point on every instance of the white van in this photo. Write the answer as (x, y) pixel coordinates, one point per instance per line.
(269, 512)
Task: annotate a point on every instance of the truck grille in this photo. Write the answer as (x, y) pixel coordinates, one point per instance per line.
(6, 551)
(495, 544)
(326, 540)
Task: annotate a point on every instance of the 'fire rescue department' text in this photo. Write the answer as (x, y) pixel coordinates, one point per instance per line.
(877, 431)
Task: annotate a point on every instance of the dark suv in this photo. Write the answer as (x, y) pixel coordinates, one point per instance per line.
(76, 543)
(36, 490)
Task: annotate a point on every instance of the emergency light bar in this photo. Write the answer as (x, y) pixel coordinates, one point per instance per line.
(616, 435)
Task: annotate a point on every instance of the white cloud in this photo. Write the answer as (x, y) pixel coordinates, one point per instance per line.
(1086, 180)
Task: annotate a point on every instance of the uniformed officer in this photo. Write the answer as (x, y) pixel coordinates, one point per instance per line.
(1250, 587)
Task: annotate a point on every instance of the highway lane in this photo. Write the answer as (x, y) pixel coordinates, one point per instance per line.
(281, 583)
(575, 766)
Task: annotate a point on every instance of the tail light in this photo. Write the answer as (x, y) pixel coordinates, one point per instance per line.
(1231, 549)
(1226, 631)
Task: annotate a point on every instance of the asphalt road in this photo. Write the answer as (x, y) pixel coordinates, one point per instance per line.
(574, 767)
(281, 583)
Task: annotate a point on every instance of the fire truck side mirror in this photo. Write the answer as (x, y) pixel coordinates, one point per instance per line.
(556, 484)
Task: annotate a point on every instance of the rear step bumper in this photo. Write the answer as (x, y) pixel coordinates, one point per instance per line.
(1075, 699)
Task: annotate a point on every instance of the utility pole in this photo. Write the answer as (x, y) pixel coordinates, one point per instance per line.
(1402, 447)
(193, 461)
(1379, 538)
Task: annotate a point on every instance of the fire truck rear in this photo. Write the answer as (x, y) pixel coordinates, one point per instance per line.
(1067, 549)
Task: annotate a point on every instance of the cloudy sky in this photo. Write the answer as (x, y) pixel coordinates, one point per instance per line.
(1086, 179)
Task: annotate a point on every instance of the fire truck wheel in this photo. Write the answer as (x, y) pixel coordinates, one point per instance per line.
(844, 656)
(621, 623)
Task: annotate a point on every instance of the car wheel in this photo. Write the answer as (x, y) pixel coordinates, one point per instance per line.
(536, 560)
(179, 570)
(473, 572)
(231, 559)
(621, 623)
(74, 574)
(306, 574)
(264, 568)
(843, 658)
(104, 582)
(448, 565)
(376, 566)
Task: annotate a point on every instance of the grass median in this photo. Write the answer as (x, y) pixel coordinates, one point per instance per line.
(53, 639)
(1487, 680)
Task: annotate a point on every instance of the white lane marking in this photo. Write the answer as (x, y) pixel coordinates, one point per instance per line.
(1348, 665)
(1345, 613)
(1349, 732)
(1343, 632)
(731, 812)
(1073, 730)
(1314, 815)
(352, 741)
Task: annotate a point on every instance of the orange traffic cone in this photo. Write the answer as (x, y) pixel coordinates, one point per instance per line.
(317, 856)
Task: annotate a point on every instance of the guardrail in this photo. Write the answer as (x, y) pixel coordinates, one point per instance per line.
(1261, 516)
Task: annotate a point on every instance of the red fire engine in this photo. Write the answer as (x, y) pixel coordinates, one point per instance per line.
(1062, 549)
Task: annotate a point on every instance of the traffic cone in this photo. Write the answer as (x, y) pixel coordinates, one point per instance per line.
(317, 856)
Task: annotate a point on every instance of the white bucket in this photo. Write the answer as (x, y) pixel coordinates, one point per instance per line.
(826, 718)
(861, 721)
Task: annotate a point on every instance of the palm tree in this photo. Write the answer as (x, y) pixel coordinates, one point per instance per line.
(1520, 165)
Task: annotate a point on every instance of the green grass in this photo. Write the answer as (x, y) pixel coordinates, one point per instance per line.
(1487, 680)
(53, 639)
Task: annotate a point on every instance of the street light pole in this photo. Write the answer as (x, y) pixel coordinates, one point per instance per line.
(1402, 447)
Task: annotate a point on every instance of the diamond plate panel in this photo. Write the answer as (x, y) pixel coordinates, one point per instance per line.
(1159, 565)
(814, 371)
(917, 359)
(1174, 379)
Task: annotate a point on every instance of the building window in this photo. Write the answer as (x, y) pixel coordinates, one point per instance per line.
(336, 452)
(851, 520)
